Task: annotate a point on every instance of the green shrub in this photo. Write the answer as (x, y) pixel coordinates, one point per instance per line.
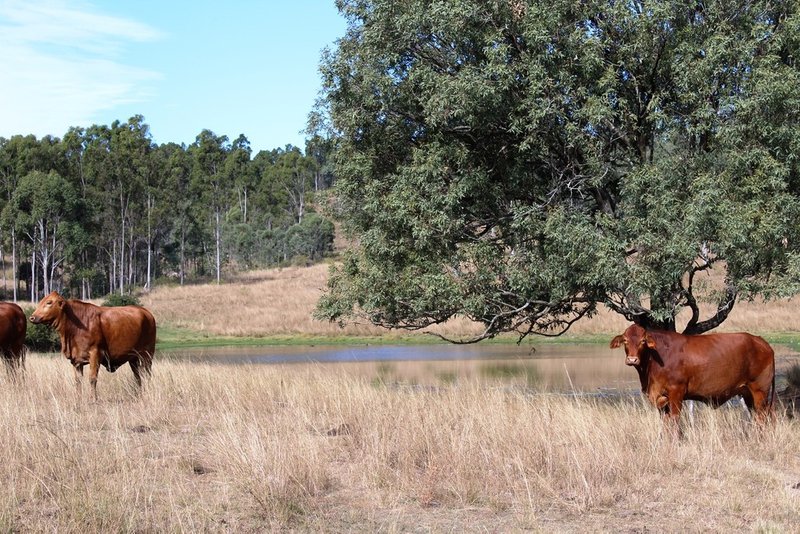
(41, 337)
(116, 299)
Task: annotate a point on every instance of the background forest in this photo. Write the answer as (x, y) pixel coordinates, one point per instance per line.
(105, 209)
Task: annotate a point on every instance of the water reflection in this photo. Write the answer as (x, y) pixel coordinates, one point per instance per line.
(562, 367)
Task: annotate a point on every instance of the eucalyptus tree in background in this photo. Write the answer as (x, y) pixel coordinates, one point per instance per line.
(319, 150)
(8, 179)
(177, 193)
(270, 195)
(19, 156)
(45, 206)
(294, 173)
(520, 163)
(116, 166)
(98, 169)
(131, 149)
(241, 174)
(74, 144)
(209, 153)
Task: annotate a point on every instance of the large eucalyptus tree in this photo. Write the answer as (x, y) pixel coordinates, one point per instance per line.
(45, 208)
(521, 163)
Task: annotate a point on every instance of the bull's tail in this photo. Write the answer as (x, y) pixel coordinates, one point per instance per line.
(771, 396)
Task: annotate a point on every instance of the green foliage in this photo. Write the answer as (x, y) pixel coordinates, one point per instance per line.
(105, 209)
(40, 337)
(311, 239)
(520, 163)
(115, 299)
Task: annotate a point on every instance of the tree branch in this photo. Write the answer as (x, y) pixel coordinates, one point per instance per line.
(723, 310)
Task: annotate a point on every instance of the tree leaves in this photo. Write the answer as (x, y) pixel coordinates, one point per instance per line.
(520, 164)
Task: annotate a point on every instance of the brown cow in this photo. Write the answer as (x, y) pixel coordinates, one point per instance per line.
(711, 368)
(94, 335)
(12, 336)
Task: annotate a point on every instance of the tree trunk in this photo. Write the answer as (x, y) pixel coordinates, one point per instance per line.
(122, 259)
(218, 240)
(3, 262)
(182, 266)
(33, 274)
(149, 241)
(14, 261)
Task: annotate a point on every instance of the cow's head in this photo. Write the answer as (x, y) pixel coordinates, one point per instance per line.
(49, 309)
(636, 341)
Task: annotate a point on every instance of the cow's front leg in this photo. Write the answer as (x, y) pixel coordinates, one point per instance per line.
(672, 411)
(94, 367)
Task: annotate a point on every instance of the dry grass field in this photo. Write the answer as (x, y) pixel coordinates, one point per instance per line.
(214, 448)
(253, 448)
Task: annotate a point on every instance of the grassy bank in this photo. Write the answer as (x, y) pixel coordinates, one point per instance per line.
(250, 448)
(275, 307)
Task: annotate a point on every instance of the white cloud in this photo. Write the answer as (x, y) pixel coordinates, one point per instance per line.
(59, 66)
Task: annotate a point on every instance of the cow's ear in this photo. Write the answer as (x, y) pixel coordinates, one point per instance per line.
(651, 343)
(616, 342)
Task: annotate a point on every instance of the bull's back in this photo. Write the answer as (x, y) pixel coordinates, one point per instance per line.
(718, 364)
(128, 329)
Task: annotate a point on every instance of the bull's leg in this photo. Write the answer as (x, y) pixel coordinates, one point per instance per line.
(672, 411)
(134, 363)
(18, 355)
(763, 392)
(747, 403)
(94, 368)
(78, 369)
(8, 363)
(13, 359)
(760, 403)
(691, 412)
(147, 360)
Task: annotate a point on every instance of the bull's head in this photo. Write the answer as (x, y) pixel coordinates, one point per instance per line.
(636, 341)
(49, 309)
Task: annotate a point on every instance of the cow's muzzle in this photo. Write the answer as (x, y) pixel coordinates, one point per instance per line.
(35, 320)
(631, 360)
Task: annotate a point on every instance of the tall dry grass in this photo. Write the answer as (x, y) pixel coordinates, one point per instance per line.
(281, 302)
(255, 448)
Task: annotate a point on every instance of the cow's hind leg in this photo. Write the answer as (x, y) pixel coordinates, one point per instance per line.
(137, 374)
(14, 359)
(757, 400)
(18, 353)
(146, 360)
(8, 363)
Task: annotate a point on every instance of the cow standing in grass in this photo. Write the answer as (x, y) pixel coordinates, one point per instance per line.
(711, 368)
(95, 335)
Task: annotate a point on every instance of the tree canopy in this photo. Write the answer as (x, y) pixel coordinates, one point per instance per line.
(521, 163)
(106, 210)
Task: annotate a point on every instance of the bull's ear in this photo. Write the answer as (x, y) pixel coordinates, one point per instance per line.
(616, 342)
(651, 343)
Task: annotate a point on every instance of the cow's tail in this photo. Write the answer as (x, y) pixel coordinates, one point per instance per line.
(771, 402)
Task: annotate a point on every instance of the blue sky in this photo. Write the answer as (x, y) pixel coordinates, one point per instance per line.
(240, 67)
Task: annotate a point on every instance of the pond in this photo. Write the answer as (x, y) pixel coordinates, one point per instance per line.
(550, 367)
